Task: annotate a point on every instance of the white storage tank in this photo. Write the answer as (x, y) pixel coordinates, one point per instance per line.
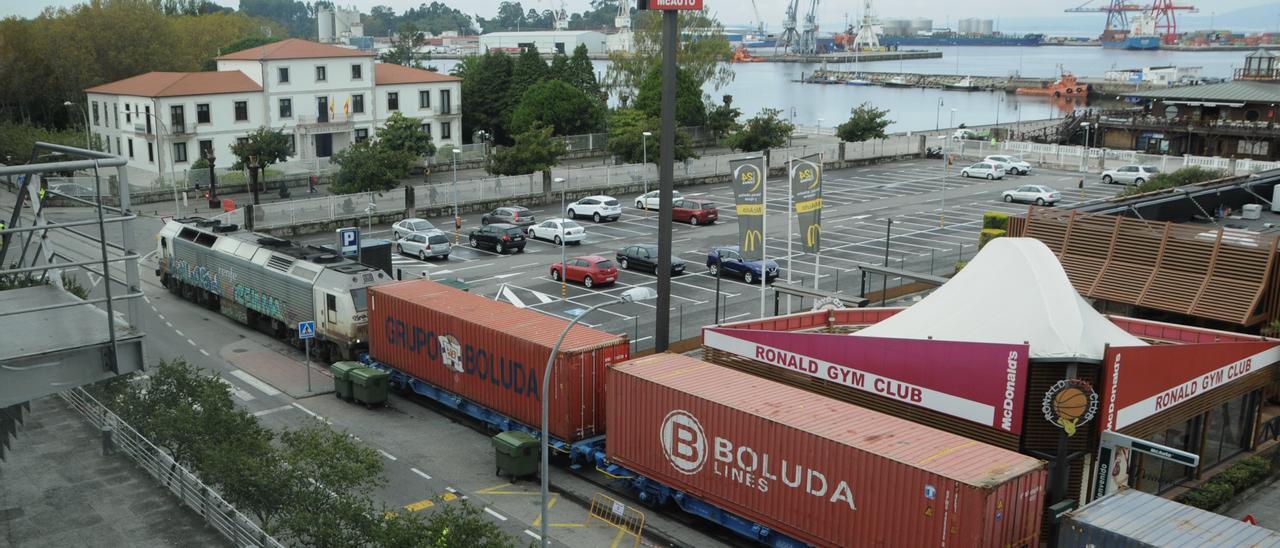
(986, 27)
(324, 16)
(896, 27)
(920, 24)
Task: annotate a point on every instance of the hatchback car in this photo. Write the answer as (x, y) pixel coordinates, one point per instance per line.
(1013, 165)
(431, 243)
(645, 257)
(408, 226)
(558, 230)
(983, 169)
(649, 200)
(694, 212)
(727, 260)
(1130, 175)
(1036, 194)
(590, 270)
(599, 208)
(499, 236)
(514, 215)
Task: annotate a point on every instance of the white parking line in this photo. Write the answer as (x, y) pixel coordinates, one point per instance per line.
(495, 514)
(450, 489)
(191, 342)
(161, 316)
(261, 386)
(266, 412)
(180, 333)
(420, 473)
(202, 351)
(144, 297)
(388, 455)
(533, 534)
(309, 412)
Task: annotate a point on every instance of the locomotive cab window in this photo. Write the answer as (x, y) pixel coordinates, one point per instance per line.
(331, 302)
(360, 297)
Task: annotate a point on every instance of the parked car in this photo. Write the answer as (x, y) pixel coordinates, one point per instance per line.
(649, 200)
(1037, 194)
(408, 226)
(694, 212)
(430, 243)
(558, 230)
(983, 169)
(599, 208)
(645, 257)
(964, 135)
(728, 260)
(590, 270)
(513, 215)
(1130, 175)
(499, 236)
(1012, 165)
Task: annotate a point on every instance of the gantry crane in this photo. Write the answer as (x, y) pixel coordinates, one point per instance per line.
(809, 35)
(759, 21)
(1163, 11)
(789, 37)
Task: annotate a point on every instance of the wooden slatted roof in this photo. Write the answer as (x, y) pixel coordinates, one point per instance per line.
(1186, 269)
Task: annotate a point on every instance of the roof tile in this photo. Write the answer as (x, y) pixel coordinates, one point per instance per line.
(178, 84)
(292, 48)
(387, 73)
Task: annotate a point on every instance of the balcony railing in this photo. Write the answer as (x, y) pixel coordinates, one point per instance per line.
(173, 130)
(330, 124)
(1257, 74)
(1236, 127)
(453, 110)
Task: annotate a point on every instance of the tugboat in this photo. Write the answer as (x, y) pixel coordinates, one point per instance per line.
(965, 84)
(896, 82)
(1066, 86)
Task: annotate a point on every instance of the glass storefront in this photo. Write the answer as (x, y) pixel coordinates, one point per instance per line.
(1225, 432)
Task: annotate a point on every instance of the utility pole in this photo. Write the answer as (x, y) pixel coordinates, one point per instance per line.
(666, 178)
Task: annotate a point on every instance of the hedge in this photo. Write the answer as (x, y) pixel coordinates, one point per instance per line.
(996, 220)
(1219, 490)
(989, 234)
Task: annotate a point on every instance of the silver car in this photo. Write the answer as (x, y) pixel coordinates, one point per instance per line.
(408, 226)
(431, 243)
(1036, 194)
(1130, 175)
(1012, 165)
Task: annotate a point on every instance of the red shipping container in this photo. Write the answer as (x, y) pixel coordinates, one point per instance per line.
(817, 469)
(493, 354)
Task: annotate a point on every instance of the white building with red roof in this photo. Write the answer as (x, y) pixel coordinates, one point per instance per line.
(324, 97)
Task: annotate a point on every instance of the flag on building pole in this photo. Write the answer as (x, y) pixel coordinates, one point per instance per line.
(346, 107)
(331, 108)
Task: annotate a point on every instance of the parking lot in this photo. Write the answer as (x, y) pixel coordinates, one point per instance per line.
(858, 204)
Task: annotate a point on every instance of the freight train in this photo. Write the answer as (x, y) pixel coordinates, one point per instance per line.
(776, 464)
(269, 283)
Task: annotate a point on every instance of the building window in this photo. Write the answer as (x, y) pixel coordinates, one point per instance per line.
(108, 142)
(446, 106)
(115, 109)
(426, 128)
(147, 118)
(446, 130)
(95, 113)
(179, 152)
(130, 141)
(151, 153)
(393, 101)
(202, 113)
(356, 69)
(357, 103)
(282, 74)
(286, 108)
(242, 111)
(361, 134)
(177, 119)
(128, 114)
(118, 149)
(206, 146)
(320, 73)
(424, 99)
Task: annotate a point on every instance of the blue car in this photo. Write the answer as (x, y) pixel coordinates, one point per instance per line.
(730, 259)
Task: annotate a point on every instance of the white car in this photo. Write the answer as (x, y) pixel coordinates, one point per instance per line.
(428, 243)
(558, 230)
(964, 135)
(649, 200)
(1013, 165)
(1130, 175)
(599, 208)
(1036, 194)
(983, 169)
(408, 226)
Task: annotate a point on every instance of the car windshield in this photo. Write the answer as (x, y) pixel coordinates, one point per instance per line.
(513, 231)
(605, 264)
(438, 239)
(359, 297)
(708, 205)
(420, 225)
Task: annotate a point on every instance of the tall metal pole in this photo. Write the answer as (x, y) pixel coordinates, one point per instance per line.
(666, 180)
(790, 192)
(946, 170)
(764, 232)
(457, 221)
(564, 265)
(884, 289)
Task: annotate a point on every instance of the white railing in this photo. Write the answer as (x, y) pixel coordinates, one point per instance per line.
(1072, 157)
(202, 499)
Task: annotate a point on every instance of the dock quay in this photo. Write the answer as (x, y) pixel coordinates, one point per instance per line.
(1098, 86)
(862, 56)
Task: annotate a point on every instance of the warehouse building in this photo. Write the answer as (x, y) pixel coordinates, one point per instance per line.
(547, 41)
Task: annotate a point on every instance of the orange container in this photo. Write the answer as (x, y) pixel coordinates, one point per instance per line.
(816, 469)
(493, 354)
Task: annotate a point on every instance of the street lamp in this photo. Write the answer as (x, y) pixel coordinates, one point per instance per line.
(937, 114)
(999, 104)
(946, 171)
(87, 144)
(1085, 158)
(564, 268)
(635, 294)
(644, 143)
(457, 221)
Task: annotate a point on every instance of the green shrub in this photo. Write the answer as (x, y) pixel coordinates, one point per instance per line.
(1208, 496)
(960, 265)
(1236, 478)
(989, 234)
(1185, 176)
(996, 220)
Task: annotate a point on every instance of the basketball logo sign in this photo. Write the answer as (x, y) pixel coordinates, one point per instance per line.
(1070, 403)
(684, 441)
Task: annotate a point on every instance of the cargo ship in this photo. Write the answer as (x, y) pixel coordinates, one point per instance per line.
(1142, 36)
(956, 39)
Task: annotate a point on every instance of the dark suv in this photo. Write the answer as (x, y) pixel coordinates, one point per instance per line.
(499, 236)
(514, 215)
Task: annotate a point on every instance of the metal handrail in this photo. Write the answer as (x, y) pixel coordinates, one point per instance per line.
(204, 500)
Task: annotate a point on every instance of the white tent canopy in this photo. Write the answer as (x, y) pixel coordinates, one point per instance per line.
(1013, 291)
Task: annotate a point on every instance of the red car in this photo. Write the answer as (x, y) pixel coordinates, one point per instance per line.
(694, 212)
(591, 270)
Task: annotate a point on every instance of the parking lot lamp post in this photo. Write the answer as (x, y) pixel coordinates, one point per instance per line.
(1084, 158)
(946, 170)
(87, 144)
(937, 114)
(457, 221)
(644, 144)
(635, 294)
(564, 268)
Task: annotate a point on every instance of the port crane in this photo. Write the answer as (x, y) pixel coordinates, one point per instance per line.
(759, 21)
(809, 35)
(1163, 11)
(789, 37)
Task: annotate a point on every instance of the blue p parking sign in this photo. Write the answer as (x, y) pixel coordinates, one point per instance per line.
(348, 241)
(306, 330)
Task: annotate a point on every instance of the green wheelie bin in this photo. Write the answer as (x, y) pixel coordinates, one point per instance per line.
(370, 386)
(342, 378)
(516, 454)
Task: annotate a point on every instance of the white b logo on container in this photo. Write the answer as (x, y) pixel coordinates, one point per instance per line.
(684, 442)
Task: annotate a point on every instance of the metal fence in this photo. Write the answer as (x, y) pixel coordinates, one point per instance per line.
(222, 516)
(1096, 159)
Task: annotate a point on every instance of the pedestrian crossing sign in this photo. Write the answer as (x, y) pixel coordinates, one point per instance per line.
(306, 330)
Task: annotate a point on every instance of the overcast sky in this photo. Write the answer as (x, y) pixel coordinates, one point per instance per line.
(731, 11)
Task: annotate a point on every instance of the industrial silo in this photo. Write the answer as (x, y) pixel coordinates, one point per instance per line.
(896, 27)
(986, 27)
(921, 25)
(324, 16)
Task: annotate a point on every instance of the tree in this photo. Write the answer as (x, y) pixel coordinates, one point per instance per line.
(581, 74)
(559, 106)
(404, 134)
(559, 68)
(267, 145)
(534, 150)
(529, 69)
(704, 51)
(865, 122)
(404, 46)
(765, 131)
(487, 98)
(454, 525)
(369, 167)
(295, 16)
(690, 111)
(627, 141)
(239, 45)
(723, 119)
